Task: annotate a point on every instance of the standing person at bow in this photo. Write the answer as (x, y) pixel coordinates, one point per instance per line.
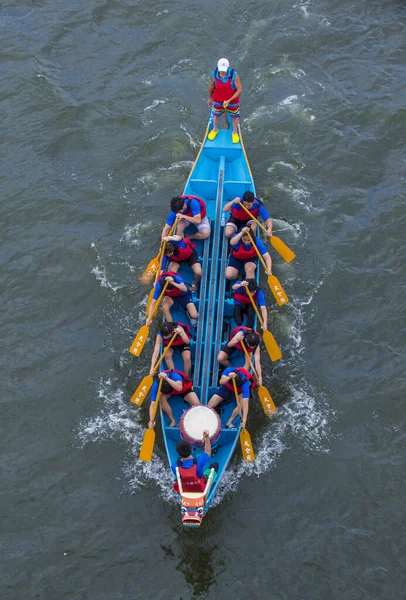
(175, 383)
(242, 303)
(225, 393)
(239, 218)
(181, 343)
(188, 210)
(176, 292)
(179, 250)
(251, 340)
(244, 256)
(224, 95)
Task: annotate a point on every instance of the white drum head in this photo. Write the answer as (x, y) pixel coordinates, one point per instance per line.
(199, 418)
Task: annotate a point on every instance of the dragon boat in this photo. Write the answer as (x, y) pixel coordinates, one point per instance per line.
(220, 172)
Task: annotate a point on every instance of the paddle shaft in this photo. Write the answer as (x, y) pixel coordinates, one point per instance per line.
(165, 351)
(247, 356)
(158, 301)
(257, 251)
(158, 395)
(252, 216)
(255, 307)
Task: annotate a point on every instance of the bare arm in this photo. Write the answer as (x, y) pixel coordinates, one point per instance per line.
(237, 338)
(258, 367)
(264, 313)
(236, 238)
(237, 92)
(210, 91)
(268, 223)
(177, 385)
(155, 354)
(268, 261)
(195, 220)
(238, 285)
(245, 406)
(165, 231)
(207, 444)
(151, 310)
(228, 206)
(180, 331)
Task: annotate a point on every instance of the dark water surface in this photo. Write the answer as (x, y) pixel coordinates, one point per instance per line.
(102, 112)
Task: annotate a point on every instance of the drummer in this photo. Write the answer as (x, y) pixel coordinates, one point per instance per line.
(251, 340)
(244, 256)
(178, 250)
(193, 474)
(181, 343)
(245, 383)
(175, 383)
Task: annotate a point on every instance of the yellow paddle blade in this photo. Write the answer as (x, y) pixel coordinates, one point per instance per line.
(149, 300)
(282, 249)
(271, 346)
(142, 390)
(147, 447)
(277, 290)
(246, 446)
(266, 400)
(150, 272)
(139, 341)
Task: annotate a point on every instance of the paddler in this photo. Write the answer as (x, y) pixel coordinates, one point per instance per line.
(175, 383)
(188, 210)
(242, 303)
(251, 340)
(245, 383)
(178, 250)
(176, 292)
(181, 344)
(244, 257)
(240, 218)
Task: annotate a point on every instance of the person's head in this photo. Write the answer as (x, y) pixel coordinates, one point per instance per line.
(183, 449)
(169, 249)
(223, 65)
(166, 387)
(248, 199)
(252, 284)
(167, 329)
(238, 378)
(251, 339)
(246, 236)
(177, 204)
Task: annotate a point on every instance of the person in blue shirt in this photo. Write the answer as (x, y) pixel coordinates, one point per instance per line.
(193, 475)
(225, 393)
(175, 383)
(176, 292)
(240, 218)
(242, 303)
(188, 210)
(243, 256)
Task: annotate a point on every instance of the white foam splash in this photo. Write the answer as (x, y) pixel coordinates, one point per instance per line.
(155, 104)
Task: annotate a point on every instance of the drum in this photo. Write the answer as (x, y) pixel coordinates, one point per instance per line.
(195, 420)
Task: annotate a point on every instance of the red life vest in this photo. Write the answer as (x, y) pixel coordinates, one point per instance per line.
(239, 213)
(203, 210)
(224, 90)
(189, 479)
(171, 290)
(247, 375)
(182, 253)
(186, 382)
(239, 346)
(242, 297)
(241, 253)
(178, 340)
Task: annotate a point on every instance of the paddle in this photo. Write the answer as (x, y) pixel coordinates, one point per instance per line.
(269, 340)
(142, 390)
(160, 258)
(247, 450)
(140, 338)
(266, 399)
(148, 442)
(274, 285)
(154, 265)
(276, 242)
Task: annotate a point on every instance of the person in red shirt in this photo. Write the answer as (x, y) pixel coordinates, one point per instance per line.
(224, 95)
